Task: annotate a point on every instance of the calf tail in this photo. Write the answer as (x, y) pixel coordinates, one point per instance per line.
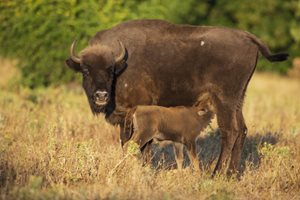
(265, 51)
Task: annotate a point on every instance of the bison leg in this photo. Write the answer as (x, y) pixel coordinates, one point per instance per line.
(191, 146)
(226, 118)
(179, 156)
(238, 146)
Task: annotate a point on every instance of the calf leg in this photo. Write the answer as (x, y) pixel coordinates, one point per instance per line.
(142, 137)
(179, 156)
(191, 146)
(226, 118)
(147, 153)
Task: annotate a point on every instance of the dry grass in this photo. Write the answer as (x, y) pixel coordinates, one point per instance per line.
(9, 72)
(51, 147)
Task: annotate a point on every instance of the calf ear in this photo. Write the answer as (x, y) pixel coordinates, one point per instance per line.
(73, 65)
(202, 112)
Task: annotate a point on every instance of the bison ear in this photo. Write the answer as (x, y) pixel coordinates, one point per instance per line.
(73, 65)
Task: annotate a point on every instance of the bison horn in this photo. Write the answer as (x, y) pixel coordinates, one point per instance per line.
(123, 53)
(74, 57)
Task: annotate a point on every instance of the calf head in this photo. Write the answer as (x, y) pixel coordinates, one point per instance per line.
(99, 67)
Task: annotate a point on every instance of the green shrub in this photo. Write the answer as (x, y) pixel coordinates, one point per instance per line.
(39, 33)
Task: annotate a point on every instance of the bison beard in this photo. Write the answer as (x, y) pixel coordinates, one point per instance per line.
(111, 115)
(172, 65)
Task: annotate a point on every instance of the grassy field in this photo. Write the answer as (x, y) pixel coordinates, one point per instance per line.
(51, 147)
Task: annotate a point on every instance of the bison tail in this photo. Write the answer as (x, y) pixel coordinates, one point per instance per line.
(265, 51)
(278, 57)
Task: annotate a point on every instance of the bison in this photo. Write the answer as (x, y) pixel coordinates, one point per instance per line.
(177, 124)
(154, 62)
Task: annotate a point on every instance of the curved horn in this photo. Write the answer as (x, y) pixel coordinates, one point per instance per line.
(123, 53)
(74, 57)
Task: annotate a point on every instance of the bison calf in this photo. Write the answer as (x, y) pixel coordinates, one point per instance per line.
(178, 124)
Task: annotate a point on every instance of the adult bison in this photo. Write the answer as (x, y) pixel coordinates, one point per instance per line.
(153, 62)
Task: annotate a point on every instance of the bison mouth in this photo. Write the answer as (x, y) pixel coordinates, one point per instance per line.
(100, 103)
(98, 107)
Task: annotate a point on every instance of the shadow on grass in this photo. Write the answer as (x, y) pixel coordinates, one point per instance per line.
(208, 148)
(7, 176)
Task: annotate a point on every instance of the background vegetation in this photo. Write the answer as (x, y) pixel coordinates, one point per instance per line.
(51, 146)
(39, 33)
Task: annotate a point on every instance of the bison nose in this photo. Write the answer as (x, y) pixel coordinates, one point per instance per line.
(100, 97)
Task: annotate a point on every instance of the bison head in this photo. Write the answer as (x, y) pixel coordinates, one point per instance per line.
(99, 66)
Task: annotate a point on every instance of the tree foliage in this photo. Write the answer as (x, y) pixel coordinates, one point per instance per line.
(39, 32)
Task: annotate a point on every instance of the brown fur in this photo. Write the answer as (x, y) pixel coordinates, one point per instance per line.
(171, 65)
(177, 124)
